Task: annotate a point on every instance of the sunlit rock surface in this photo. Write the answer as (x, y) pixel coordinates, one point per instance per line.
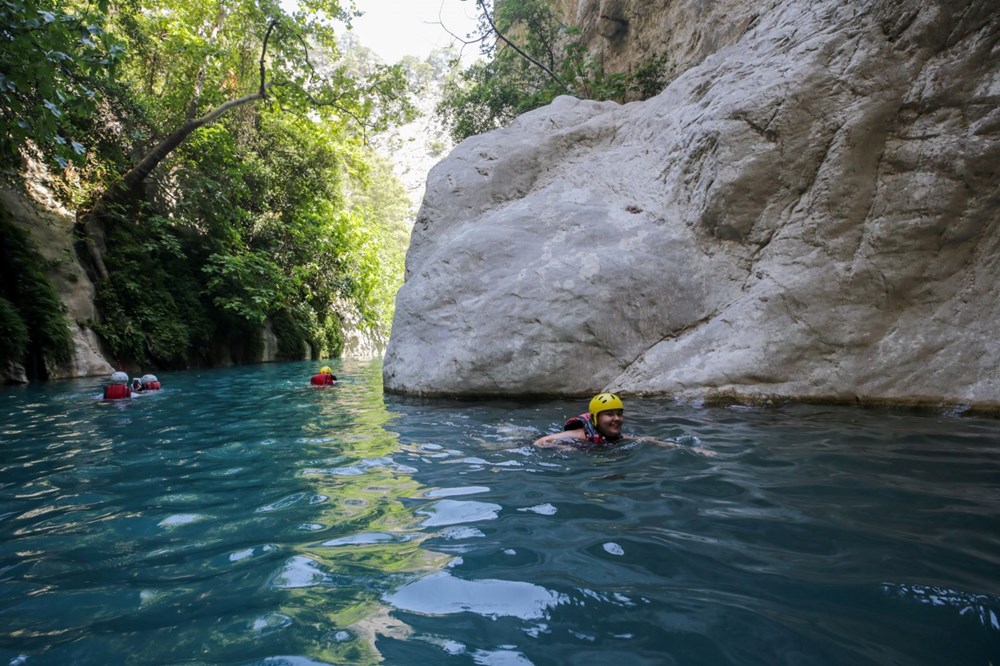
(810, 212)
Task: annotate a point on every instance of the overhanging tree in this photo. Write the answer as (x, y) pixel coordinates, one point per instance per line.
(288, 74)
(242, 201)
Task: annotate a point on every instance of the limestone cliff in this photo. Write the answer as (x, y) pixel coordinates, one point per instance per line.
(625, 34)
(809, 210)
(50, 226)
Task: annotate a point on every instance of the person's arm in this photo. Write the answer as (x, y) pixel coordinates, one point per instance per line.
(557, 439)
(667, 444)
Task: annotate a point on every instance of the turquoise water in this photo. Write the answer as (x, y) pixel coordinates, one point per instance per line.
(240, 516)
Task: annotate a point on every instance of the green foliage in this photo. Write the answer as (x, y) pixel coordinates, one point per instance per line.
(13, 334)
(490, 93)
(247, 286)
(54, 59)
(292, 333)
(372, 239)
(649, 79)
(152, 309)
(487, 96)
(297, 329)
(120, 331)
(331, 337)
(32, 318)
(275, 225)
(276, 212)
(190, 57)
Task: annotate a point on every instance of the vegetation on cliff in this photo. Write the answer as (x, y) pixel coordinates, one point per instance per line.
(217, 155)
(33, 323)
(530, 58)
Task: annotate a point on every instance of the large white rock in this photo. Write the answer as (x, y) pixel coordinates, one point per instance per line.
(811, 213)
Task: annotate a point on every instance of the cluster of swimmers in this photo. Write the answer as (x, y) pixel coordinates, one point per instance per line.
(121, 388)
(600, 426)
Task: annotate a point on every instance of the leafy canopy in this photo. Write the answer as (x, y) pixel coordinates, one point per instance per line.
(55, 57)
(276, 211)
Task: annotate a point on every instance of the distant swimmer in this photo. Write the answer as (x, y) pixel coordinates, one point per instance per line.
(325, 377)
(118, 389)
(146, 383)
(601, 427)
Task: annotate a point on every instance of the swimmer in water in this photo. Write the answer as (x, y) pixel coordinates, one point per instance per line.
(601, 427)
(324, 377)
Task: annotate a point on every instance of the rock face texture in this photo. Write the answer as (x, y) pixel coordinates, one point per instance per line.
(624, 34)
(50, 226)
(810, 212)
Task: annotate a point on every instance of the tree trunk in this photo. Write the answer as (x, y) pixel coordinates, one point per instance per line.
(87, 220)
(131, 181)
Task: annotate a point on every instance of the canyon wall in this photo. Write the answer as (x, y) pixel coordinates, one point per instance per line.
(808, 211)
(50, 227)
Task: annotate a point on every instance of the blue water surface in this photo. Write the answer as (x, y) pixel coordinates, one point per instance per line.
(241, 516)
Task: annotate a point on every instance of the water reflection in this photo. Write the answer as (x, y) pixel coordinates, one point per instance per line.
(981, 607)
(451, 512)
(444, 594)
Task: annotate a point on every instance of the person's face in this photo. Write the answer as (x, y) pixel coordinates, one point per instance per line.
(610, 421)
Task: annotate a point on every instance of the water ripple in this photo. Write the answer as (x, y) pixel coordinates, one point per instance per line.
(280, 525)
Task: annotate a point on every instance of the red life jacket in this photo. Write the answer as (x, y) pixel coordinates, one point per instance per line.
(117, 392)
(151, 386)
(322, 379)
(590, 431)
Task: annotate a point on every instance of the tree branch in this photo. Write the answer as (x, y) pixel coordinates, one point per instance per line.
(135, 176)
(262, 91)
(524, 55)
(153, 158)
(464, 40)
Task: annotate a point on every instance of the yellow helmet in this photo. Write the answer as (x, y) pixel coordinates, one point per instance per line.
(326, 370)
(602, 402)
